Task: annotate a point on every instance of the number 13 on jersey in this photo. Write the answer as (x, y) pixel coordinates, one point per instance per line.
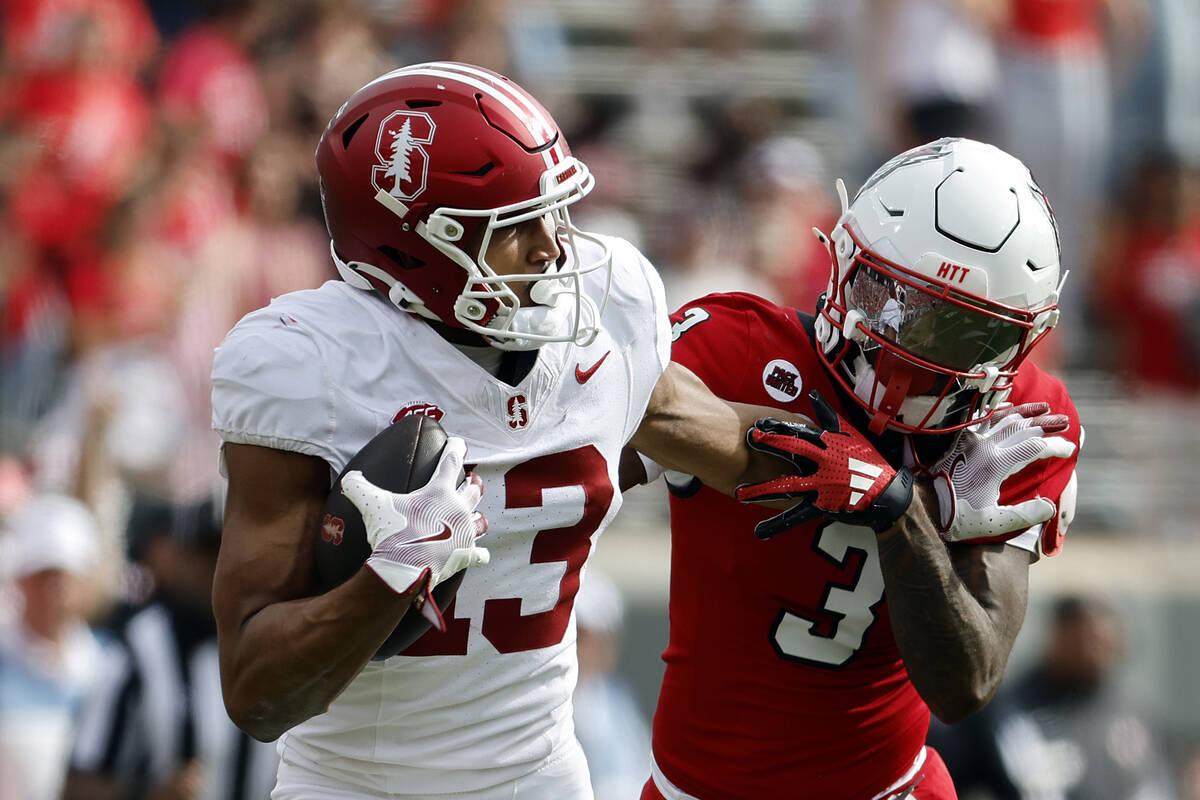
(502, 623)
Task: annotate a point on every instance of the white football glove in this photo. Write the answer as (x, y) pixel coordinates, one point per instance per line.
(968, 478)
(424, 536)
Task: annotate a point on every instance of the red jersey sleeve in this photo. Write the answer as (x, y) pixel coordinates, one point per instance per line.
(725, 339)
(709, 336)
(1051, 478)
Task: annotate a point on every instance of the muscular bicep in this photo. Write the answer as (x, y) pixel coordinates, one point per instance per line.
(272, 515)
(997, 576)
(688, 428)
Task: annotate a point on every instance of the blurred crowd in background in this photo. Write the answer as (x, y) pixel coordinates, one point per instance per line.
(157, 183)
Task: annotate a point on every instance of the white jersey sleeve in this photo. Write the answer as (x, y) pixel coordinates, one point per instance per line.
(274, 384)
(637, 316)
(261, 361)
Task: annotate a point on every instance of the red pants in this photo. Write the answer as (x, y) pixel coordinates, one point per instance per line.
(932, 783)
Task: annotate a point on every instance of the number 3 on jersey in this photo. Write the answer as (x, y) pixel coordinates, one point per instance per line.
(691, 318)
(851, 605)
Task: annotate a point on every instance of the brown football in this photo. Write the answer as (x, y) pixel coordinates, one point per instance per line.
(401, 458)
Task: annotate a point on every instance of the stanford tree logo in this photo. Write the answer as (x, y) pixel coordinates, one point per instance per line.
(403, 163)
(517, 411)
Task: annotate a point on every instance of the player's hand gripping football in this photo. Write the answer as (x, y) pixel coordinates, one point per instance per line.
(420, 538)
(842, 476)
(968, 478)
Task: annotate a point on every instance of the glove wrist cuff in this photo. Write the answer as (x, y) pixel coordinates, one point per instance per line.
(946, 502)
(403, 579)
(892, 502)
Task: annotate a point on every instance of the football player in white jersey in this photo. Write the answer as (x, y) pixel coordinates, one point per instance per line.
(468, 295)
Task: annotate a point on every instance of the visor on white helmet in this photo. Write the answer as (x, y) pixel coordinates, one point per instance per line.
(955, 350)
(932, 323)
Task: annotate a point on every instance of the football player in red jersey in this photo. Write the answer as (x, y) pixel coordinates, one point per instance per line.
(803, 662)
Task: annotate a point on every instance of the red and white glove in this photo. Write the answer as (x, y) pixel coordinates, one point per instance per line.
(842, 476)
(968, 478)
(420, 538)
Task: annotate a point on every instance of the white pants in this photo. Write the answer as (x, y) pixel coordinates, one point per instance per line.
(564, 776)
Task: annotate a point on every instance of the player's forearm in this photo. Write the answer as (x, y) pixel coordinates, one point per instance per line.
(954, 631)
(711, 446)
(688, 428)
(290, 660)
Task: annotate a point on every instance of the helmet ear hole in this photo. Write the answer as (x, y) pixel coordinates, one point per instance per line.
(403, 259)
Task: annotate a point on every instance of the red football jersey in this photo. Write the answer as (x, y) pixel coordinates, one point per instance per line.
(783, 678)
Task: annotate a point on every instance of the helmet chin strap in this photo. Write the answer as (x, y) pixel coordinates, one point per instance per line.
(352, 273)
(897, 401)
(895, 389)
(868, 380)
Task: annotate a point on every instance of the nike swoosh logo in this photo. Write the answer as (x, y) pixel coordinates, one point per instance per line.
(437, 537)
(585, 375)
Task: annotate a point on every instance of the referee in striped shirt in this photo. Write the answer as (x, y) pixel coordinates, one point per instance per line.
(156, 728)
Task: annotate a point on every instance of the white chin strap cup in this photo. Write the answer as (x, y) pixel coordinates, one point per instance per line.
(535, 325)
(991, 374)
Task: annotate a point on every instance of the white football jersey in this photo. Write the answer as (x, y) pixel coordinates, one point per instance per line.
(321, 372)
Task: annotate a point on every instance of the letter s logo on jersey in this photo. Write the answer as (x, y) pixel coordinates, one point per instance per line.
(517, 411)
(403, 164)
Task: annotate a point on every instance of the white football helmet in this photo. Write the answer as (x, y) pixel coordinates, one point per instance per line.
(945, 274)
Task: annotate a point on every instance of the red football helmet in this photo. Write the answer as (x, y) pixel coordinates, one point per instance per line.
(420, 166)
